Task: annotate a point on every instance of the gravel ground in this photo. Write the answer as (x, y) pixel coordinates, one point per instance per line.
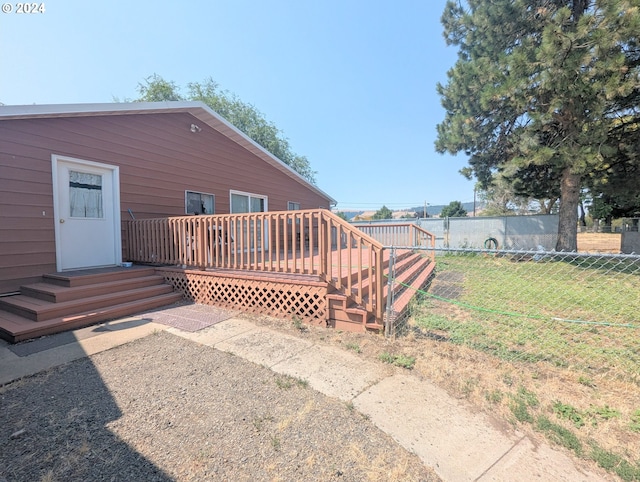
(164, 408)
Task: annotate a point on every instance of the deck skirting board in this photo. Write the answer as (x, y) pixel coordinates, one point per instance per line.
(284, 297)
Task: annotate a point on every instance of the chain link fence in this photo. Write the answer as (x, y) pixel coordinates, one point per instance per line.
(573, 310)
(548, 341)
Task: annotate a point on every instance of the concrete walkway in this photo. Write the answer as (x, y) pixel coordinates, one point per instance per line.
(459, 444)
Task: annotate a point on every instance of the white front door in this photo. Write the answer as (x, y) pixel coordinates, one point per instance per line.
(87, 213)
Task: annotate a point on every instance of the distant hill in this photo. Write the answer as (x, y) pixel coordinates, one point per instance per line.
(350, 214)
(431, 210)
(437, 209)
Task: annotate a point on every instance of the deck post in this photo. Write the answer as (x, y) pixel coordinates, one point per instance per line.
(390, 293)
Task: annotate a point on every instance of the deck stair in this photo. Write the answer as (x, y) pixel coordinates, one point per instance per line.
(65, 301)
(412, 271)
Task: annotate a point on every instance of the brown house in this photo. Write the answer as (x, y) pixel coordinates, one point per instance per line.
(71, 175)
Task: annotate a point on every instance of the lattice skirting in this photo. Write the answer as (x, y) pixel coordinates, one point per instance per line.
(284, 298)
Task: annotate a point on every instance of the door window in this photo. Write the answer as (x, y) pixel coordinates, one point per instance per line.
(85, 195)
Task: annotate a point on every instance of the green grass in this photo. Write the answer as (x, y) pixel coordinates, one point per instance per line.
(615, 463)
(402, 361)
(522, 401)
(570, 413)
(559, 434)
(567, 289)
(635, 421)
(275, 443)
(355, 347)
(539, 311)
(494, 396)
(285, 382)
(586, 381)
(579, 314)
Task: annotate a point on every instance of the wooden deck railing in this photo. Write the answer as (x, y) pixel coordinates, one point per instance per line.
(313, 242)
(400, 234)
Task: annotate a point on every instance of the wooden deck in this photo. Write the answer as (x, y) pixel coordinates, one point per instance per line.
(334, 276)
(65, 301)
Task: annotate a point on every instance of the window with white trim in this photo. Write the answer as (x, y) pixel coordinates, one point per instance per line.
(292, 206)
(244, 202)
(199, 203)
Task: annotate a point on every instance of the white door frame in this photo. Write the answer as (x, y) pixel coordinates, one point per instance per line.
(117, 230)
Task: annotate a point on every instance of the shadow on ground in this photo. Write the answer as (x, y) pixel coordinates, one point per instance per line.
(53, 426)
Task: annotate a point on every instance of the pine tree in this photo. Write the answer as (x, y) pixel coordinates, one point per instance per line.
(536, 89)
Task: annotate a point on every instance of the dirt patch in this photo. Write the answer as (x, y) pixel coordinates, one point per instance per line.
(164, 408)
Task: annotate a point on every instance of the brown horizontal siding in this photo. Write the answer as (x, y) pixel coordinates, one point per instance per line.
(12, 261)
(222, 159)
(159, 158)
(19, 235)
(22, 196)
(28, 248)
(29, 174)
(24, 268)
(11, 285)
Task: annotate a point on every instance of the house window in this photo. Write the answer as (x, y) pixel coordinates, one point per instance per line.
(199, 203)
(243, 202)
(291, 206)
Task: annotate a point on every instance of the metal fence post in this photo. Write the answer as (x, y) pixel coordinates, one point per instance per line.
(390, 293)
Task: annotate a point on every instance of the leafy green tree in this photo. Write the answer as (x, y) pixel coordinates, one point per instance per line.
(454, 209)
(383, 213)
(243, 116)
(156, 89)
(341, 215)
(537, 90)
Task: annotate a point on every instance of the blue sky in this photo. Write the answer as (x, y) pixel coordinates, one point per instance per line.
(352, 84)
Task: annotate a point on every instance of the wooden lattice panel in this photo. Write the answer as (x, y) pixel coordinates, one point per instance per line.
(282, 298)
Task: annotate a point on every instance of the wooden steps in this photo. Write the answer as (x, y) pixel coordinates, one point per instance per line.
(58, 294)
(404, 294)
(412, 271)
(65, 301)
